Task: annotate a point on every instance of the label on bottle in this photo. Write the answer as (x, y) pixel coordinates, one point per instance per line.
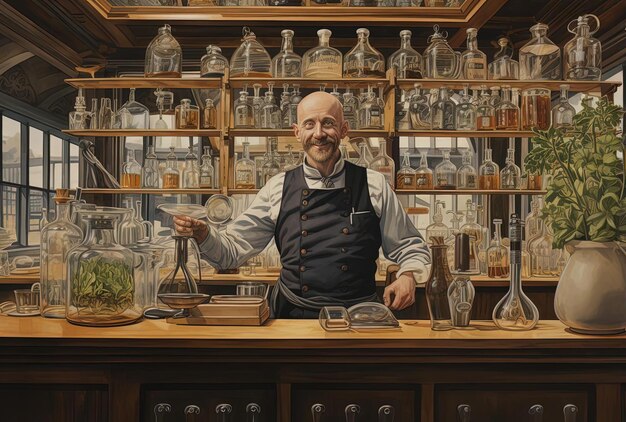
(374, 112)
(475, 69)
(470, 181)
(485, 122)
(328, 66)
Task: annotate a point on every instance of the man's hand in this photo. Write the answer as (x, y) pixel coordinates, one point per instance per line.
(401, 293)
(187, 226)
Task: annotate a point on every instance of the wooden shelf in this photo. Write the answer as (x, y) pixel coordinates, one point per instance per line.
(470, 192)
(140, 82)
(242, 191)
(144, 132)
(240, 82)
(146, 191)
(468, 133)
(19, 279)
(289, 132)
(484, 281)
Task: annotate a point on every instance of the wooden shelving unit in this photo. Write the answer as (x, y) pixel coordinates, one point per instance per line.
(146, 191)
(240, 82)
(470, 192)
(467, 133)
(140, 82)
(145, 132)
(234, 132)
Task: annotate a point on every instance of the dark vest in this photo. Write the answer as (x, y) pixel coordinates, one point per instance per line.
(323, 253)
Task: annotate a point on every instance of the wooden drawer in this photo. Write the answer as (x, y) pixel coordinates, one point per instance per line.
(510, 403)
(207, 398)
(369, 397)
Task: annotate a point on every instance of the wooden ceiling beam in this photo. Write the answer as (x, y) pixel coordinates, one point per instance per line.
(12, 54)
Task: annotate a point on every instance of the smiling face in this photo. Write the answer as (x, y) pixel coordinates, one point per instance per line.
(320, 128)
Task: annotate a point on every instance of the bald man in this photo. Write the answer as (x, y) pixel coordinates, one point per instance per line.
(328, 218)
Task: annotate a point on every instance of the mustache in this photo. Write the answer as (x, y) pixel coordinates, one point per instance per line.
(325, 141)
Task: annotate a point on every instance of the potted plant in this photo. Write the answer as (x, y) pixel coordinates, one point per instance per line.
(586, 209)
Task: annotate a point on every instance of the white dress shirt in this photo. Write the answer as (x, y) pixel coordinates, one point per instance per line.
(252, 231)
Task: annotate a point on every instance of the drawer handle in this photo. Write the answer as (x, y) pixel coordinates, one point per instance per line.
(223, 411)
(352, 411)
(570, 412)
(316, 411)
(465, 412)
(160, 410)
(190, 411)
(252, 410)
(536, 411)
(386, 413)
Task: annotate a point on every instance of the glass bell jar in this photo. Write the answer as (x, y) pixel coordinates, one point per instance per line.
(213, 64)
(250, 59)
(164, 56)
(440, 60)
(540, 58)
(583, 53)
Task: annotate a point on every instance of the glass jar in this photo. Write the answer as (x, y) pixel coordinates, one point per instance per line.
(443, 113)
(213, 64)
(351, 110)
(250, 59)
(473, 61)
(323, 61)
(364, 61)
(466, 176)
(485, 112)
(150, 175)
(132, 114)
(582, 54)
(465, 112)
(563, 112)
(171, 175)
(79, 118)
(503, 66)
(507, 113)
(423, 175)
(511, 175)
(131, 171)
(270, 113)
(245, 170)
(437, 287)
(207, 171)
(187, 115)
(445, 173)
(488, 173)
(419, 110)
(440, 61)
(164, 56)
(287, 64)
(406, 61)
(540, 58)
(102, 288)
(497, 255)
(209, 115)
(437, 229)
(191, 172)
(244, 112)
(371, 114)
(57, 238)
(384, 164)
(405, 178)
(535, 109)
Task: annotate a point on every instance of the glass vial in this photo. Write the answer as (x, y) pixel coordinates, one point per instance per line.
(163, 56)
(209, 115)
(323, 61)
(473, 61)
(364, 61)
(445, 173)
(287, 64)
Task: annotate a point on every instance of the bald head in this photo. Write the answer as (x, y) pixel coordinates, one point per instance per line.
(320, 102)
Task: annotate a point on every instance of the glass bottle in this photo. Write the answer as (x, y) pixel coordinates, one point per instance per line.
(466, 176)
(164, 101)
(497, 255)
(437, 287)
(362, 161)
(131, 171)
(582, 54)
(191, 173)
(440, 60)
(271, 167)
(164, 56)
(511, 175)
(540, 58)
(475, 233)
(57, 238)
(456, 218)
(323, 61)
(515, 311)
(150, 174)
(494, 97)
(485, 112)
(503, 66)
(473, 61)
(250, 59)
(350, 109)
(287, 64)
(465, 112)
(105, 114)
(563, 112)
(187, 115)
(209, 115)
(270, 113)
(94, 114)
(285, 101)
(207, 171)
(44, 218)
(507, 113)
(171, 175)
(423, 175)
(78, 119)
(133, 114)
(245, 170)
(488, 173)
(213, 64)
(544, 258)
(384, 164)
(291, 162)
(402, 111)
(364, 61)
(532, 228)
(445, 173)
(406, 61)
(437, 229)
(296, 97)
(257, 104)
(244, 113)
(535, 109)
(419, 110)
(102, 286)
(405, 178)
(443, 114)
(371, 114)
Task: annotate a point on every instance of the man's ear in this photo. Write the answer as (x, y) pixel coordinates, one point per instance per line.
(296, 130)
(345, 126)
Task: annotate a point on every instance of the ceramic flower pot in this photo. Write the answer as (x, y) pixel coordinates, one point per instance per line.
(591, 294)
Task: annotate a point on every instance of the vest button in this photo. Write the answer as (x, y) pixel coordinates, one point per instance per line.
(305, 192)
(344, 250)
(304, 217)
(305, 289)
(345, 230)
(344, 268)
(302, 268)
(304, 233)
(303, 251)
(305, 202)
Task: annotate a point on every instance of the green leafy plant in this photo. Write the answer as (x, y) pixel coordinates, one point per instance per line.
(585, 199)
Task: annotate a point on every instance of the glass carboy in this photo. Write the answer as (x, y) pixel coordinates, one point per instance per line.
(363, 61)
(445, 173)
(582, 54)
(406, 61)
(250, 59)
(164, 56)
(102, 287)
(57, 238)
(440, 61)
(287, 64)
(322, 61)
(503, 66)
(213, 64)
(563, 112)
(466, 176)
(540, 58)
(473, 61)
(384, 164)
(150, 175)
(133, 114)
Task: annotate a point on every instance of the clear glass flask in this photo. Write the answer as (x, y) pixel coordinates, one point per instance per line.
(445, 173)
(488, 173)
(244, 113)
(323, 61)
(187, 115)
(171, 174)
(473, 61)
(406, 61)
(384, 164)
(405, 178)
(207, 171)
(540, 58)
(423, 175)
(287, 64)
(497, 254)
(511, 175)
(133, 114)
(213, 64)
(163, 56)
(131, 171)
(362, 161)
(191, 172)
(443, 112)
(363, 61)
(503, 66)
(440, 60)
(79, 118)
(466, 175)
(582, 54)
(507, 113)
(250, 59)
(371, 114)
(245, 170)
(150, 175)
(465, 112)
(563, 112)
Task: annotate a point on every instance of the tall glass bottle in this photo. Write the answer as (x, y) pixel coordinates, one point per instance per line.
(106, 116)
(582, 54)
(270, 113)
(207, 171)
(437, 228)
(473, 61)
(133, 114)
(293, 104)
(384, 164)
(406, 61)
(503, 66)
(511, 175)
(488, 173)
(271, 167)
(164, 56)
(406, 175)
(245, 170)
(515, 311)
(465, 112)
(466, 176)
(351, 110)
(250, 59)
(131, 171)
(437, 287)
(191, 172)
(544, 258)
(287, 64)
(419, 110)
(209, 115)
(257, 103)
(443, 113)
(445, 173)
(507, 113)
(150, 174)
(57, 238)
(244, 113)
(371, 114)
(78, 119)
(285, 101)
(323, 61)
(535, 109)
(540, 58)
(563, 112)
(475, 234)
(213, 64)
(497, 255)
(364, 61)
(362, 161)
(187, 115)
(485, 112)
(171, 174)
(423, 175)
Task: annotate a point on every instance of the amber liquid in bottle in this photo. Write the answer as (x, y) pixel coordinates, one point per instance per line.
(486, 122)
(405, 181)
(131, 180)
(534, 181)
(498, 271)
(190, 121)
(171, 181)
(536, 112)
(424, 181)
(489, 182)
(507, 119)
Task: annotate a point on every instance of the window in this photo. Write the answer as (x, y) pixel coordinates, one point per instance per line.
(36, 159)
